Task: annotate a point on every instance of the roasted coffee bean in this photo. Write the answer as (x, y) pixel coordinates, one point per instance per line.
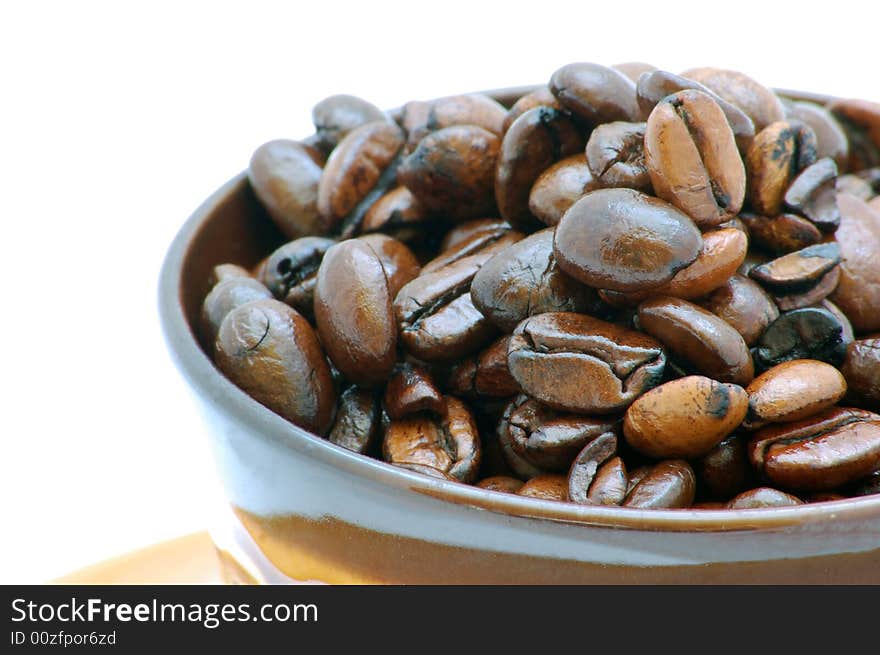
(584, 473)
(358, 425)
(757, 101)
(424, 469)
(422, 118)
(825, 451)
(846, 329)
(411, 390)
(559, 187)
(686, 417)
(487, 243)
(452, 172)
(397, 213)
(271, 353)
(535, 141)
(693, 159)
(595, 93)
(781, 234)
(860, 120)
(821, 290)
(670, 484)
(634, 69)
(548, 440)
(798, 271)
(359, 171)
(697, 339)
(546, 487)
(722, 254)
(353, 312)
(524, 280)
(858, 293)
(290, 272)
(223, 298)
(653, 87)
(807, 333)
(813, 193)
(226, 271)
(540, 97)
(436, 317)
(623, 240)
(501, 483)
(488, 228)
(398, 261)
(337, 115)
(861, 369)
(724, 471)
(449, 443)
(792, 391)
(743, 305)
(778, 153)
(763, 497)
(830, 138)
(486, 374)
(518, 465)
(616, 155)
(581, 364)
(285, 176)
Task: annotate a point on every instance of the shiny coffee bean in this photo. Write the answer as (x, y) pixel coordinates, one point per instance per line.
(693, 159)
(616, 155)
(516, 463)
(792, 391)
(436, 317)
(668, 485)
(763, 497)
(501, 483)
(226, 271)
(353, 312)
(549, 440)
(581, 364)
(858, 293)
(452, 172)
(584, 473)
(623, 240)
(285, 176)
(398, 261)
(830, 138)
(778, 153)
(781, 234)
(290, 272)
(813, 193)
(485, 375)
(807, 333)
(653, 87)
(423, 118)
(337, 115)
(861, 369)
(634, 69)
(359, 171)
(595, 93)
(725, 471)
(535, 141)
(744, 305)
(223, 298)
(397, 213)
(487, 243)
(450, 443)
(697, 339)
(546, 487)
(757, 101)
(540, 97)
(559, 187)
(826, 451)
(357, 426)
(411, 390)
(524, 280)
(821, 290)
(271, 353)
(798, 271)
(686, 417)
(860, 119)
(487, 228)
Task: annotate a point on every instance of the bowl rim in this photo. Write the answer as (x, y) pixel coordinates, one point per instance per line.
(235, 405)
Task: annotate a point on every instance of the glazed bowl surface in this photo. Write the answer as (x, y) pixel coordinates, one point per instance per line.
(304, 509)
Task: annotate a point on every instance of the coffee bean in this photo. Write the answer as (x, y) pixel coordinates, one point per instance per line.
(825, 451)
(623, 240)
(821, 290)
(271, 353)
(518, 465)
(798, 271)
(831, 140)
(501, 483)
(860, 120)
(757, 101)
(670, 484)
(778, 153)
(686, 417)
(540, 97)
(424, 469)
(357, 426)
(861, 368)
(763, 497)
(411, 390)
(489, 229)
(807, 333)
(595, 93)
(290, 272)
(398, 261)
(744, 305)
(399, 214)
(546, 487)
(616, 155)
(792, 391)
(634, 69)
(449, 443)
(226, 271)
(813, 193)
(584, 473)
(559, 187)
(423, 118)
(353, 312)
(487, 243)
(725, 471)
(486, 374)
(223, 298)
(581, 364)
(781, 234)
(337, 115)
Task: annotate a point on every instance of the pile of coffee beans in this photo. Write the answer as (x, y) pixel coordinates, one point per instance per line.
(631, 288)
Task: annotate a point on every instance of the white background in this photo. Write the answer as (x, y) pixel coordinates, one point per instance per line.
(117, 119)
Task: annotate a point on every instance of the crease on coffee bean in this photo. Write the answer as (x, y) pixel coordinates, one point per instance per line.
(722, 199)
(415, 317)
(351, 224)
